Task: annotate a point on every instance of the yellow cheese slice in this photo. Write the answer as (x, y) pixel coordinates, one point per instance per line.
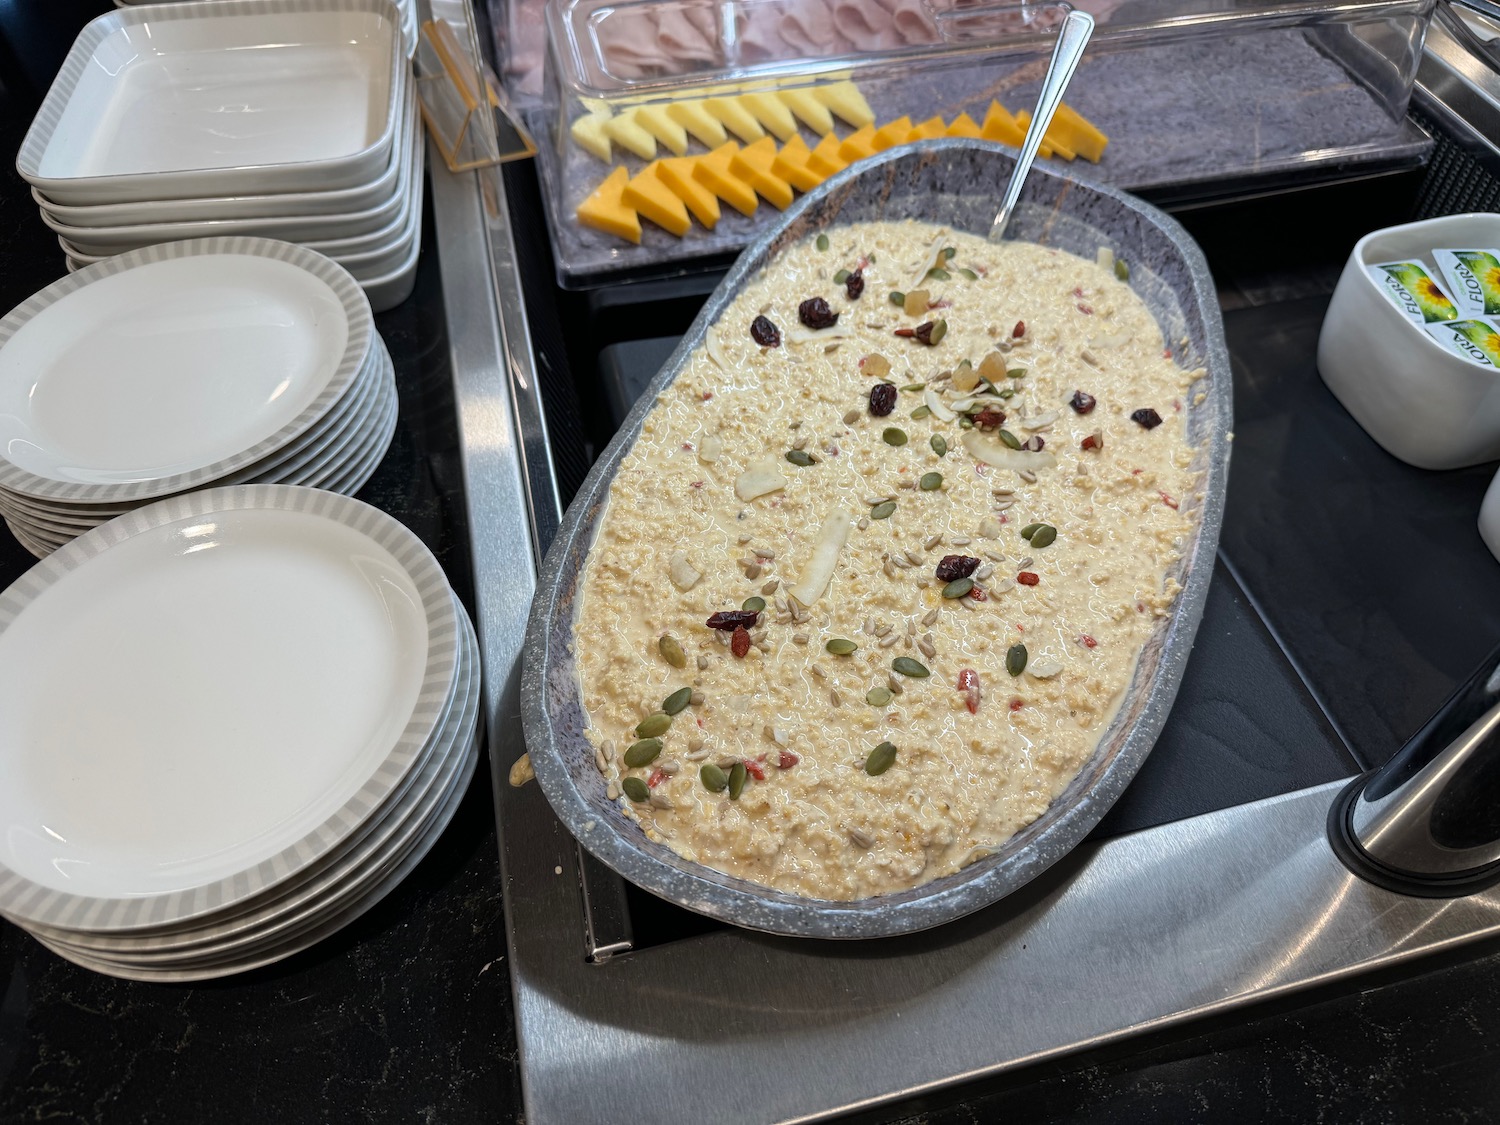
(712, 171)
(605, 209)
(824, 160)
(791, 165)
(845, 100)
(677, 173)
(811, 112)
(656, 201)
(753, 165)
(771, 112)
(963, 126)
(1000, 126)
(1047, 148)
(588, 132)
(736, 118)
(659, 123)
(624, 131)
(1079, 133)
(891, 134)
(933, 127)
(857, 145)
(691, 114)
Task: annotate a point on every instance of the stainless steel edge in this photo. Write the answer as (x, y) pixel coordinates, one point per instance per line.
(1460, 88)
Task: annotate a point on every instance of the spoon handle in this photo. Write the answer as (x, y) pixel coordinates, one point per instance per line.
(1071, 40)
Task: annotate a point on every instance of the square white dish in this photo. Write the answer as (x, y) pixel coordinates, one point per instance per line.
(140, 108)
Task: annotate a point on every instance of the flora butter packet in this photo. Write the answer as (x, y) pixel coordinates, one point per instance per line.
(1411, 289)
(1474, 277)
(1477, 341)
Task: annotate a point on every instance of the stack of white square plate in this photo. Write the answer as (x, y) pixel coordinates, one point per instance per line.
(230, 722)
(289, 119)
(408, 10)
(182, 366)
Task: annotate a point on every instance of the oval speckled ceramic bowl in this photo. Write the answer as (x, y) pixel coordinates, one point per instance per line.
(958, 183)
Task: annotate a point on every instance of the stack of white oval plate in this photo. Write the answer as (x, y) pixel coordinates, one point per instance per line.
(182, 366)
(289, 119)
(230, 722)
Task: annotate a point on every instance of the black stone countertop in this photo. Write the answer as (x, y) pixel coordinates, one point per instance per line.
(406, 1015)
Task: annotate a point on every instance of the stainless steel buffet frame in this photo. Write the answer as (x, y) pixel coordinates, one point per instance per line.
(1139, 933)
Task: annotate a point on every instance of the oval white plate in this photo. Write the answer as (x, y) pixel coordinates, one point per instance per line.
(169, 367)
(202, 697)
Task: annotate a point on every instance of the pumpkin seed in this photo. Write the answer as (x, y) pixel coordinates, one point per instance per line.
(970, 274)
(671, 651)
(1009, 438)
(840, 646)
(949, 252)
(939, 445)
(1029, 530)
(894, 435)
(958, 588)
(754, 605)
(678, 700)
(636, 790)
(1045, 535)
(964, 423)
(1016, 372)
(937, 273)
(653, 725)
(882, 510)
(1015, 660)
(878, 696)
(914, 387)
(909, 667)
(920, 412)
(737, 775)
(882, 758)
(822, 242)
(841, 277)
(644, 752)
(1122, 271)
(714, 779)
(898, 298)
(800, 457)
(930, 481)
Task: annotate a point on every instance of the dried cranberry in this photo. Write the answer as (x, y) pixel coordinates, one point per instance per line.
(739, 643)
(854, 284)
(977, 594)
(989, 418)
(1087, 641)
(815, 313)
(1081, 402)
(787, 760)
(931, 332)
(954, 567)
(1036, 443)
(1019, 330)
(729, 619)
(756, 767)
(1146, 417)
(968, 683)
(1095, 440)
(764, 333)
(1168, 499)
(1026, 578)
(656, 778)
(882, 399)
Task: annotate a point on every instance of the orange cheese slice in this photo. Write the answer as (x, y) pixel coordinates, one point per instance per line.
(712, 171)
(963, 126)
(677, 173)
(1000, 126)
(809, 110)
(825, 159)
(791, 165)
(771, 112)
(735, 117)
(605, 209)
(1079, 133)
(753, 165)
(1047, 148)
(891, 134)
(933, 127)
(857, 145)
(656, 201)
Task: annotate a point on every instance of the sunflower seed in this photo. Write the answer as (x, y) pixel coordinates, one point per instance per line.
(860, 839)
(764, 553)
(931, 616)
(660, 801)
(697, 698)
(984, 572)
(892, 682)
(703, 663)
(1027, 475)
(1005, 585)
(1004, 505)
(1024, 563)
(927, 650)
(599, 761)
(874, 500)
(934, 541)
(818, 672)
(900, 561)
(916, 559)
(799, 638)
(612, 790)
(771, 586)
(869, 625)
(963, 541)
(864, 523)
(880, 630)
(890, 571)
(833, 697)
(887, 642)
(752, 572)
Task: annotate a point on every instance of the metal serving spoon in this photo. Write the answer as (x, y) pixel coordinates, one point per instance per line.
(1071, 40)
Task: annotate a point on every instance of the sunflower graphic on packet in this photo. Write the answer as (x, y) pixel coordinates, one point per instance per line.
(1477, 341)
(1475, 278)
(1411, 289)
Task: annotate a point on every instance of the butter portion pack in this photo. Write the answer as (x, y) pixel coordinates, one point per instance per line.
(1473, 277)
(1476, 340)
(1409, 287)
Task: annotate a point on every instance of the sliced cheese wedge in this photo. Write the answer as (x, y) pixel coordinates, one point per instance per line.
(1079, 133)
(892, 134)
(771, 112)
(963, 126)
(654, 200)
(659, 123)
(693, 116)
(1000, 126)
(736, 118)
(791, 165)
(588, 133)
(858, 145)
(825, 159)
(712, 171)
(623, 130)
(753, 165)
(1047, 148)
(677, 173)
(809, 110)
(845, 100)
(606, 210)
(934, 126)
